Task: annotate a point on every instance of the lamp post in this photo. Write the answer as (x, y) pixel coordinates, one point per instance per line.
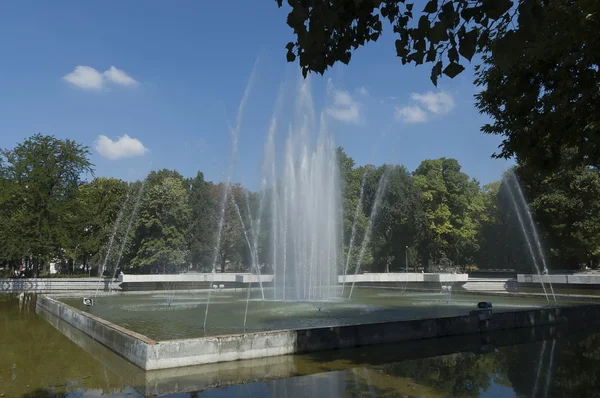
(406, 260)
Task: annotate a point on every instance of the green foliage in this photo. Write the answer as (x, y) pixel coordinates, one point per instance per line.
(567, 209)
(41, 180)
(200, 237)
(452, 203)
(540, 86)
(440, 33)
(162, 223)
(434, 216)
(539, 70)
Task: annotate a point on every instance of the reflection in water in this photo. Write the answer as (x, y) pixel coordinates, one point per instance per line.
(557, 368)
(37, 361)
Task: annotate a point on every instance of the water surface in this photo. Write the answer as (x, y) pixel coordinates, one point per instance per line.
(39, 361)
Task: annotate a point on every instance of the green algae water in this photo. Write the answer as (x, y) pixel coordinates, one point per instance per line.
(170, 315)
(38, 361)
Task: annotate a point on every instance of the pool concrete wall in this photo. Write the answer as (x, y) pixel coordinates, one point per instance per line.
(47, 285)
(149, 354)
(403, 277)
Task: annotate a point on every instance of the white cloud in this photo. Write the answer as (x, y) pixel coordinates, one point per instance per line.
(410, 114)
(119, 76)
(85, 77)
(344, 108)
(88, 78)
(363, 90)
(123, 147)
(438, 103)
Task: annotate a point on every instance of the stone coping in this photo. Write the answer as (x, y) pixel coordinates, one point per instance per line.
(150, 355)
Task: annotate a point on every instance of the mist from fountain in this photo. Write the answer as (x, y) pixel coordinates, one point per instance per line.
(305, 200)
(536, 237)
(253, 256)
(374, 210)
(129, 225)
(235, 132)
(354, 226)
(111, 240)
(532, 253)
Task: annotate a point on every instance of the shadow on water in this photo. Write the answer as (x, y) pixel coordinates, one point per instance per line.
(43, 393)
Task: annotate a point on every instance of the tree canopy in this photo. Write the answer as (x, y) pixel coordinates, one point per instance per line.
(539, 67)
(435, 216)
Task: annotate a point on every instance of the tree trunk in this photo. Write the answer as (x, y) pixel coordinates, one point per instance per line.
(223, 265)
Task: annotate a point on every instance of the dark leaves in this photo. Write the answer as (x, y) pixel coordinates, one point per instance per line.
(290, 56)
(494, 9)
(438, 33)
(436, 71)
(431, 7)
(453, 54)
(468, 44)
(401, 48)
(453, 69)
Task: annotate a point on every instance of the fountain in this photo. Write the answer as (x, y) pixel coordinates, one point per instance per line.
(307, 200)
(512, 185)
(300, 187)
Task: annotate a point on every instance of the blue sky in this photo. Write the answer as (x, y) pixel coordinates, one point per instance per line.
(170, 76)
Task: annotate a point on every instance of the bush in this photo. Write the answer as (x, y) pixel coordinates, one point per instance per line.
(5, 273)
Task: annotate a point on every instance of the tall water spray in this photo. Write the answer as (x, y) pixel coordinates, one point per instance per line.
(305, 205)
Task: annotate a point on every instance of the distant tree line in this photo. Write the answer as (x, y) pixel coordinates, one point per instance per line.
(435, 217)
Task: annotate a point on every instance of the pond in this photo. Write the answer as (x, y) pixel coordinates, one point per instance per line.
(36, 360)
(171, 315)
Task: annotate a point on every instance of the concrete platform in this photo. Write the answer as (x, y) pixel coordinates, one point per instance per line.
(149, 354)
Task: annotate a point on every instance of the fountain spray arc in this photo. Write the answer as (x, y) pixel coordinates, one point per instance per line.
(512, 185)
(223, 204)
(534, 232)
(383, 181)
(357, 211)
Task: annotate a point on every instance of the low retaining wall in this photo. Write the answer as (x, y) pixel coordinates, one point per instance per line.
(46, 285)
(149, 354)
(190, 281)
(404, 277)
(565, 280)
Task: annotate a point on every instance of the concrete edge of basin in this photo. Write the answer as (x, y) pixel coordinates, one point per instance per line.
(153, 355)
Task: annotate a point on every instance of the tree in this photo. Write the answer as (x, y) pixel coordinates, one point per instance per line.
(398, 220)
(328, 31)
(566, 206)
(162, 225)
(98, 206)
(46, 173)
(202, 222)
(499, 246)
(231, 242)
(354, 219)
(540, 86)
(540, 68)
(450, 201)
